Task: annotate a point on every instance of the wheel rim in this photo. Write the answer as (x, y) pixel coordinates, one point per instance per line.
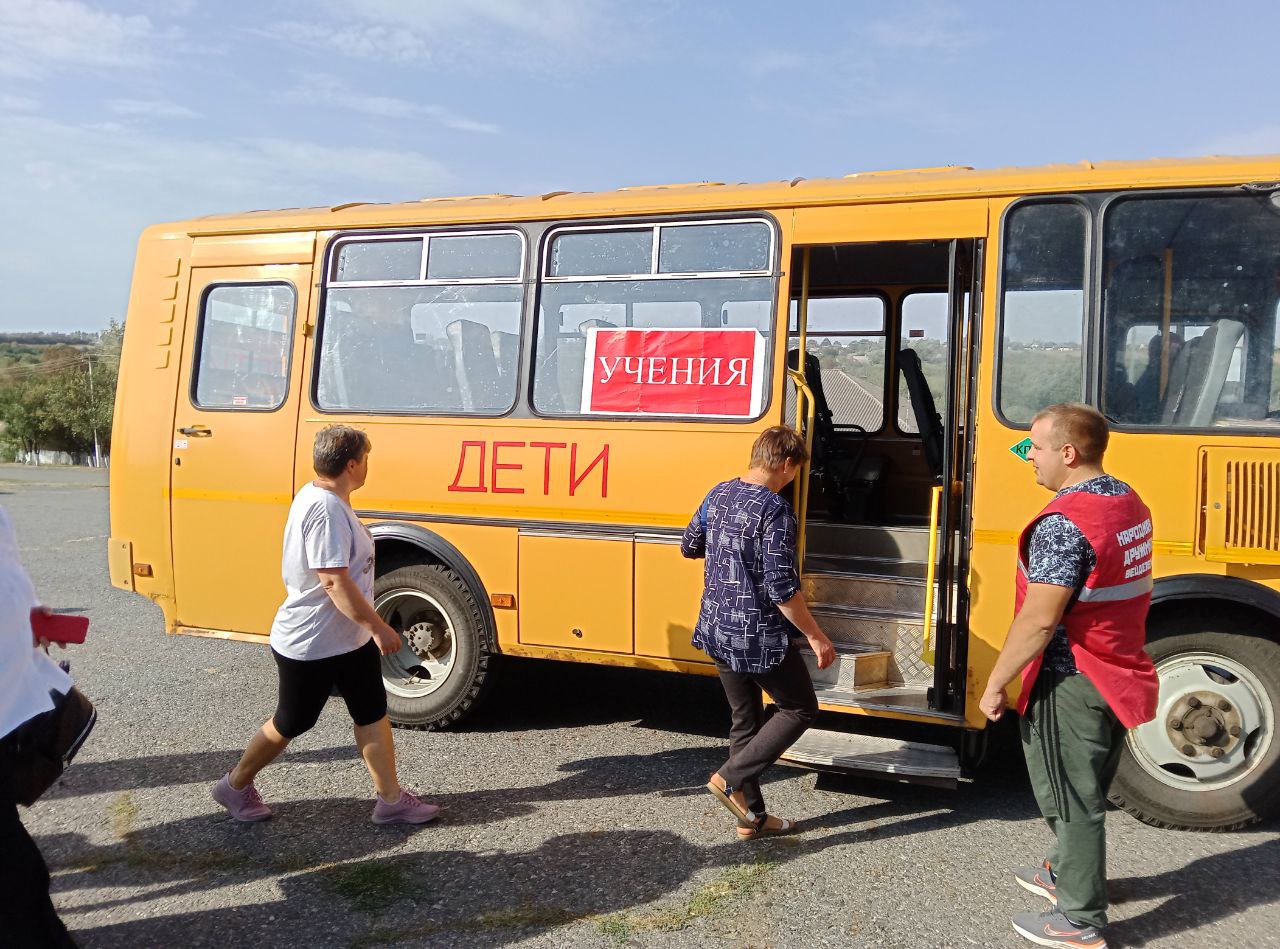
(426, 660)
(1213, 725)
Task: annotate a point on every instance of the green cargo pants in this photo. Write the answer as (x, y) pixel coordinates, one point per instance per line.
(1072, 741)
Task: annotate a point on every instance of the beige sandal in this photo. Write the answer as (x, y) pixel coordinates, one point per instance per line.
(744, 816)
(749, 831)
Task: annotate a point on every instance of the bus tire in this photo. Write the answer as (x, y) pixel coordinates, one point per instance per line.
(444, 668)
(1157, 781)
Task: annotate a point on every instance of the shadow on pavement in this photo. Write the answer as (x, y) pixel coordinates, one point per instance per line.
(158, 771)
(1195, 895)
(532, 695)
(464, 898)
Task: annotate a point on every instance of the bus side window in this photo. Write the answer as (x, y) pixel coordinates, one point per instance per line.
(1189, 336)
(434, 334)
(1042, 309)
(242, 358)
(672, 275)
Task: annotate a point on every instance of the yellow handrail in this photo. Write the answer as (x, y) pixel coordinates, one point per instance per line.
(926, 652)
(805, 413)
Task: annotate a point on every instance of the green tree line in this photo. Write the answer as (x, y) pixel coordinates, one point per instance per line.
(59, 397)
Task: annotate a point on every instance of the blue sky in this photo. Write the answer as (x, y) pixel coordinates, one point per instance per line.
(117, 115)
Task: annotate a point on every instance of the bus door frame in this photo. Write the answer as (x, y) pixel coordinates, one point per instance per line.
(954, 521)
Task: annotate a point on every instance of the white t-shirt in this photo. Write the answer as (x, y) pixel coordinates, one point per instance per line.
(322, 531)
(27, 675)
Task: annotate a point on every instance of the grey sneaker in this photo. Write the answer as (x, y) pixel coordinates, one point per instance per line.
(1038, 880)
(1055, 929)
(244, 805)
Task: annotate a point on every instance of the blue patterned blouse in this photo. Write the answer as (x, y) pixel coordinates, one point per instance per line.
(747, 534)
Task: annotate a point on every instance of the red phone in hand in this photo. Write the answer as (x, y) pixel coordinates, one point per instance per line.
(59, 628)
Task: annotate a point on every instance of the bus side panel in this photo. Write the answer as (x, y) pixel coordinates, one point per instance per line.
(143, 422)
(491, 552)
(1005, 497)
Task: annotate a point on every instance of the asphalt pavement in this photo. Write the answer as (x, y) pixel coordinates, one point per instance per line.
(573, 815)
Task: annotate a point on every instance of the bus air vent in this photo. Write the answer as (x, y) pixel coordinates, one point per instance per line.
(1240, 505)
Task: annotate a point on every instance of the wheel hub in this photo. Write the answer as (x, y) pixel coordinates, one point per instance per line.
(427, 639)
(1204, 723)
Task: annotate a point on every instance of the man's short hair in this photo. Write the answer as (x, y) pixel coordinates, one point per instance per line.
(776, 445)
(335, 446)
(1081, 426)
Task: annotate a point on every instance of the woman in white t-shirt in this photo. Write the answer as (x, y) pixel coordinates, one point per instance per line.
(327, 636)
(29, 681)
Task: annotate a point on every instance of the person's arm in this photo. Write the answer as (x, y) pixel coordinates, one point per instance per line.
(353, 604)
(782, 582)
(694, 542)
(1031, 631)
(796, 610)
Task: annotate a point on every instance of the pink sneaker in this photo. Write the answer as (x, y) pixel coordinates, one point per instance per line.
(245, 805)
(407, 810)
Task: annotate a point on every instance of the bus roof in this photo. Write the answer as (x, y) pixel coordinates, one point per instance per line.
(952, 181)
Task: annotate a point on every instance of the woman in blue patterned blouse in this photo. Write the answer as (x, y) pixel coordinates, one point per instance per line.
(751, 608)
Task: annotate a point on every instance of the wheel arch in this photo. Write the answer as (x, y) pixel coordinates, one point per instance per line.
(1236, 596)
(398, 545)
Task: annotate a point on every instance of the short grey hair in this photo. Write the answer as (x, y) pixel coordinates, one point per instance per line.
(335, 446)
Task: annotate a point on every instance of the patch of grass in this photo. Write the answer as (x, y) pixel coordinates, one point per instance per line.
(709, 901)
(369, 886)
(523, 917)
(123, 812)
(197, 863)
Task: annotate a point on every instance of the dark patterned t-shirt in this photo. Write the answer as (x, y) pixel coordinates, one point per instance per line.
(1059, 554)
(747, 534)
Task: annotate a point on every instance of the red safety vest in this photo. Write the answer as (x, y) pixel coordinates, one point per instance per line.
(1106, 623)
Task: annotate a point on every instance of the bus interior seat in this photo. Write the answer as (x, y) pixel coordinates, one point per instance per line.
(849, 485)
(928, 421)
(1207, 373)
(1176, 384)
(571, 354)
(477, 370)
(506, 350)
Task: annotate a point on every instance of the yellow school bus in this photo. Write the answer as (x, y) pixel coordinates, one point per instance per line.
(551, 383)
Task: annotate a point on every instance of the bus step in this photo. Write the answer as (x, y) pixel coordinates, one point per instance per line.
(898, 595)
(911, 762)
(856, 666)
(867, 540)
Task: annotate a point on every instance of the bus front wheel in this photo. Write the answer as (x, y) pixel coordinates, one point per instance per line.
(443, 669)
(1209, 760)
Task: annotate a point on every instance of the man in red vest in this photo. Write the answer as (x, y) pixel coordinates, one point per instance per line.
(1083, 589)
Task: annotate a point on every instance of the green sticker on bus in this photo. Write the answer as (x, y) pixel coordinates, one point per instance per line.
(1022, 449)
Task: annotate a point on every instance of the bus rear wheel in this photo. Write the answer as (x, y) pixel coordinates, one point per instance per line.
(443, 670)
(1210, 759)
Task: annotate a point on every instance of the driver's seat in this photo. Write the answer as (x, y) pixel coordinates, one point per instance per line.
(830, 464)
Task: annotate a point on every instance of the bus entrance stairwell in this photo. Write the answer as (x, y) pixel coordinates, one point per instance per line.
(877, 568)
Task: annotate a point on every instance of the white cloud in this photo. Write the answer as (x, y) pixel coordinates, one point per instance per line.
(1264, 140)
(930, 27)
(329, 92)
(88, 191)
(359, 42)
(479, 34)
(777, 60)
(38, 37)
(150, 108)
(11, 103)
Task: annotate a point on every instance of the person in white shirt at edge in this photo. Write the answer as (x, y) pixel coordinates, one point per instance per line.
(327, 635)
(29, 680)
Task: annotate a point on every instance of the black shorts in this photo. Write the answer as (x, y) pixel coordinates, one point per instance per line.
(305, 685)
